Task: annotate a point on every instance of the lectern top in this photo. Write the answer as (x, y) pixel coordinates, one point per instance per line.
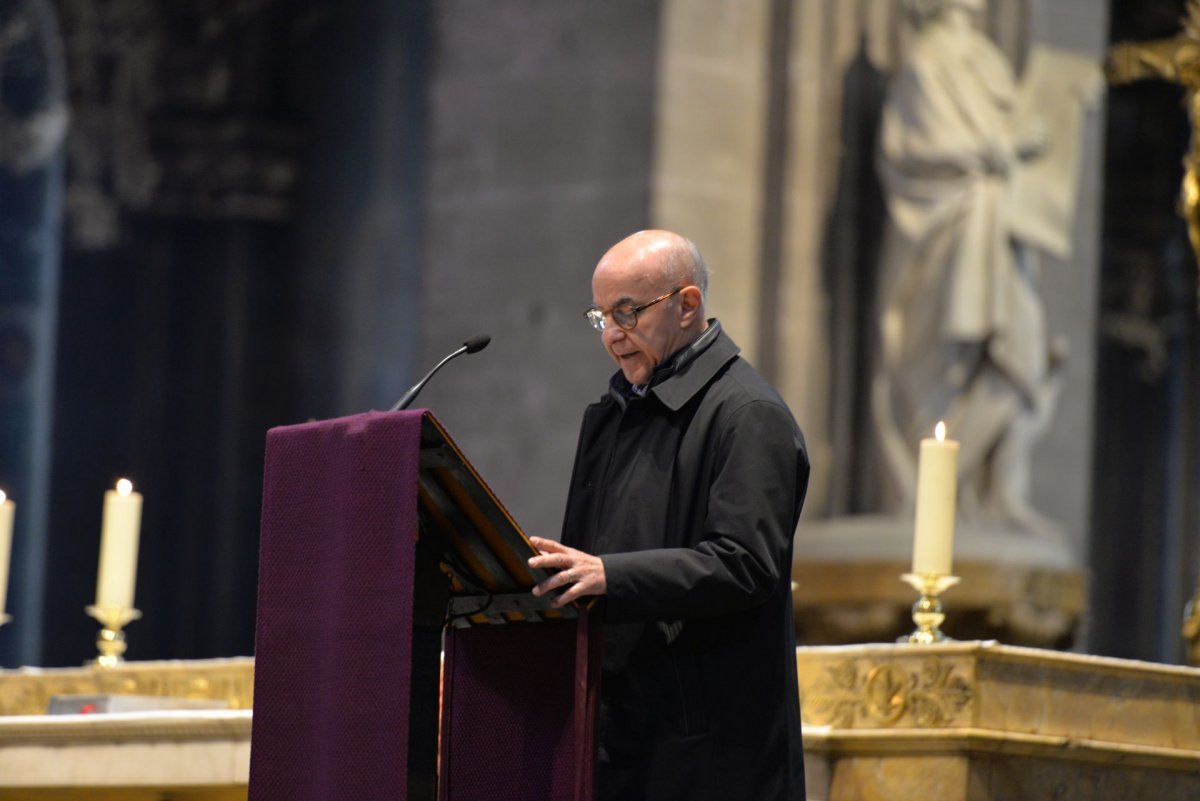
(481, 547)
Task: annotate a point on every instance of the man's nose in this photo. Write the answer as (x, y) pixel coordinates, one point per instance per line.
(612, 332)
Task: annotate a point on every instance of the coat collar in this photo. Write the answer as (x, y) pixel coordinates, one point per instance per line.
(683, 384)
(689, 371)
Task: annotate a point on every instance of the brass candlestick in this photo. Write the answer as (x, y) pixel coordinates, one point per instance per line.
(927, 611)
(111, 639)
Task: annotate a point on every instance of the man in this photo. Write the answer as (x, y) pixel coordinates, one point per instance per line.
(688, 482)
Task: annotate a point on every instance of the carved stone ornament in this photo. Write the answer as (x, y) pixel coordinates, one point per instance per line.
(888, 694)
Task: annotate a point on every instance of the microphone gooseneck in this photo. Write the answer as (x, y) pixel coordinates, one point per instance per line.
(472, 345)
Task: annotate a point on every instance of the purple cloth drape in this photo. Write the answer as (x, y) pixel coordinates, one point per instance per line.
(335, 607)
(520, 706)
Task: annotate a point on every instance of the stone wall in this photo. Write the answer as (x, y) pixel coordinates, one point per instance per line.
(539, 158)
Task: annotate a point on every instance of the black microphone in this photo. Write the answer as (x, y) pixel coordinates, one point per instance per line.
(472, 345)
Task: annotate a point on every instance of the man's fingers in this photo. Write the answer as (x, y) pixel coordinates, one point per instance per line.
(566, 597)
(584, 586)
(559, 579)
(547, 546)
(550, 560)
(580, 573)
(552, 554)
(565, 578)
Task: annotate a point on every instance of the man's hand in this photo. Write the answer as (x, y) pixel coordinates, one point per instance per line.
(581, 573)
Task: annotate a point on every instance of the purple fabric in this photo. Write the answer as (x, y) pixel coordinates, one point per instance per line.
(332, 652)
(519, 712)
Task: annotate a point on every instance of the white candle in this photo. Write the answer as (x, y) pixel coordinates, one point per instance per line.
(8, 510)
(119, 546)
(937, 484)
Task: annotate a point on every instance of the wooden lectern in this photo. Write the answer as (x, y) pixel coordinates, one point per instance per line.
(379, 540)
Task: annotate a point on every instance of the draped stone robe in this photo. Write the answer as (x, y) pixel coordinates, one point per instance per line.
(962, 325)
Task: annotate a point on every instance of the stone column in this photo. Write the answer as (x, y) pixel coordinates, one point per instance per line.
(709, 147)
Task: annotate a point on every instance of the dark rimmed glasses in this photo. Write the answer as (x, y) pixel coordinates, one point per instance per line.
(623, 314)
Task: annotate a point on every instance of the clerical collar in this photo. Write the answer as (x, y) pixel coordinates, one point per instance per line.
(677, 362)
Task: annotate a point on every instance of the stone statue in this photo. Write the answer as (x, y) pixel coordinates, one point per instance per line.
(963, 335)
(1176, 60)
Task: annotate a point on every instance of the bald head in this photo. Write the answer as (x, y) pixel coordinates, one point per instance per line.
(660, 258)
(662, 278)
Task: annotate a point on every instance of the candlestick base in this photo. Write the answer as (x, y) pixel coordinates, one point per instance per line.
(927, 611)
(110, 642)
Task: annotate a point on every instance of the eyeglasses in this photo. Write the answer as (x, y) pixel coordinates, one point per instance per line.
(623, 314)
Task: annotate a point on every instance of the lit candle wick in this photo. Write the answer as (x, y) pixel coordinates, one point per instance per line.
(124, 486)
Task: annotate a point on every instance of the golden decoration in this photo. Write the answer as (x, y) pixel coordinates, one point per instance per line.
(1191, 628)
(886, 689)
(837, 701)
(111, 640)
(927, 612)
(1176, 60)
(939, 694)
(887, 694)
(28, 691)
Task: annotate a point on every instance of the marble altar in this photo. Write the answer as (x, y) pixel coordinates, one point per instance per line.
(981, 721)
(969, 721)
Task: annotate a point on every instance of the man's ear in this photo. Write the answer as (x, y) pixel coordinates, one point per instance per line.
(691, 305)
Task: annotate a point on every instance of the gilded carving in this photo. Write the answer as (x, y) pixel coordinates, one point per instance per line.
(836, 701)
(1176, 60)
(1191, 628)
(887, 694)
(939, 694)
(29, 692)
(887, 689)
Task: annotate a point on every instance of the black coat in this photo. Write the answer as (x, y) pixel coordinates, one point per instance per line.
(691, 495)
